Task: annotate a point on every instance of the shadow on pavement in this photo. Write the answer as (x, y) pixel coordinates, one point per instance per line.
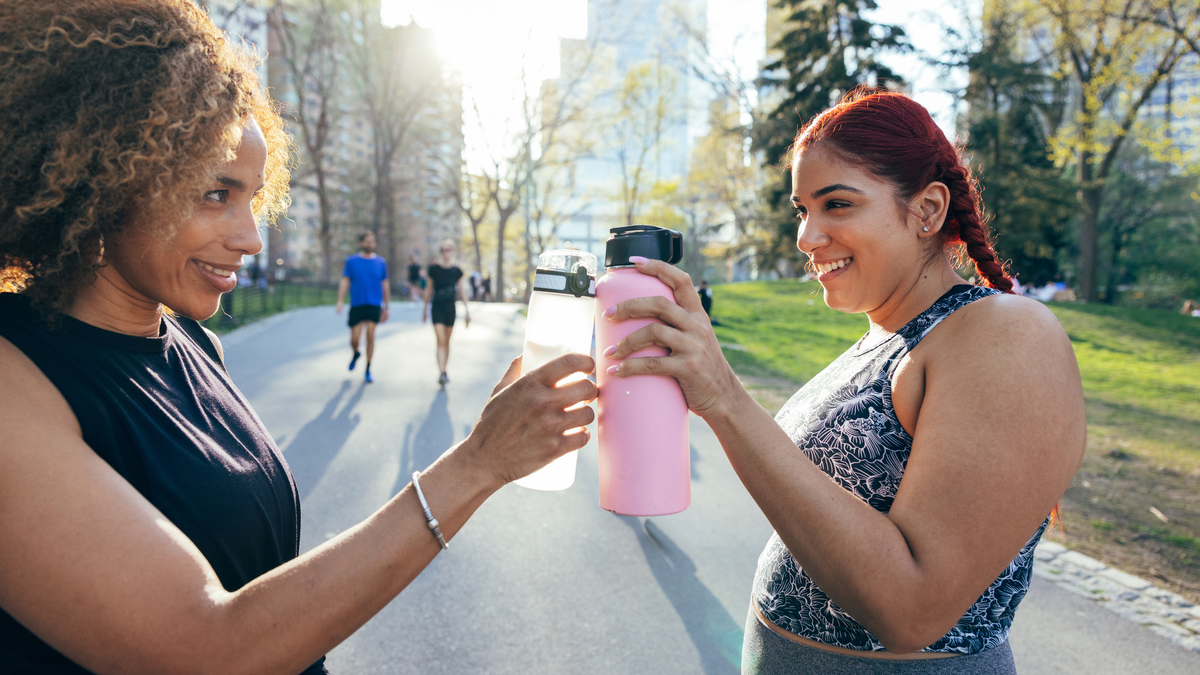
(718, 638)
(321, 439)
(424, 445)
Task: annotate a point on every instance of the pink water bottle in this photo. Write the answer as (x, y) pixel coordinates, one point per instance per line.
(642, 427)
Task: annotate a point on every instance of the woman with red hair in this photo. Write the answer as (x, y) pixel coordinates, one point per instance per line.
(909, 482)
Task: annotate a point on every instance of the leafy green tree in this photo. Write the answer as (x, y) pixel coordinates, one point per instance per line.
(828, 49)
(310, 39)
(1014, 106)
(1116, 61)
(1150, 234)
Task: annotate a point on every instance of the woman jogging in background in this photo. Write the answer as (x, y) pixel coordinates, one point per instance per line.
(441, 294)
(148, 521)
(909, 482)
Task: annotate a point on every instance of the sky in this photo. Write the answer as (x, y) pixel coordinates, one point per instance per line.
(488, 41)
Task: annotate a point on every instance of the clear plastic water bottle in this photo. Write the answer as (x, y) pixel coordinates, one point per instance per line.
(642, 432)
(561, 315)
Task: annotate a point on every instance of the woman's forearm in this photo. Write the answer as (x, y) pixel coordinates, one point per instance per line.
(286, 619)
(854, 553)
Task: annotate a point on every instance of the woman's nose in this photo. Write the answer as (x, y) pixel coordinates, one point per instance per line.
(244, 236)
(810, 237)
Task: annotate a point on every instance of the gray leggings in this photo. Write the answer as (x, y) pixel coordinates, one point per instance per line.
(765, 652)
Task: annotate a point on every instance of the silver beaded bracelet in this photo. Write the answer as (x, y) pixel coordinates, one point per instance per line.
(429, 519)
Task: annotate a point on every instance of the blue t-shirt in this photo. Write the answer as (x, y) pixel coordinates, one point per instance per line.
(366, 277)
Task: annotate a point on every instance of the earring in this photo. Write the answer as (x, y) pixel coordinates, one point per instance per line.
(926, 228)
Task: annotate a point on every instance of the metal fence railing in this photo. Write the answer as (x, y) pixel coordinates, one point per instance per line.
(246, 304)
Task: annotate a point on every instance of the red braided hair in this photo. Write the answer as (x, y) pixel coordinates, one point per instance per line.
(893, 137)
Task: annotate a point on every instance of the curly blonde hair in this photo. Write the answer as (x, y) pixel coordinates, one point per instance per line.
(115, 113)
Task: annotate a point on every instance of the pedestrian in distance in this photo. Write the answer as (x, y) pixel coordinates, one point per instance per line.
(415, 287)
(476, 285)
(706, 298)
(148, 521)
(909, 482)
(365, 276)
(441, 294)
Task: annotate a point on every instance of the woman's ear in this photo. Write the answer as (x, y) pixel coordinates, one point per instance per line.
(932, 203)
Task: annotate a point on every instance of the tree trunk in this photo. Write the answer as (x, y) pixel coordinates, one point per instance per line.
(475, 242)
(498, 282)
(530, 263)
(1091, 193)
(1110, 294)
(393, 248)
(325, 231)
(1090, 198)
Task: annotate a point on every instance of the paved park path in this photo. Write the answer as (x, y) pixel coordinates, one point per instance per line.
(548, 582)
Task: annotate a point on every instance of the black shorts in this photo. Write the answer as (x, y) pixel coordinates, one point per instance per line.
(364, 313)
(443, 313)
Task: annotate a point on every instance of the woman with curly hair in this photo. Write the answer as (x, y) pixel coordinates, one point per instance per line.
(148, 522)
(909, 481)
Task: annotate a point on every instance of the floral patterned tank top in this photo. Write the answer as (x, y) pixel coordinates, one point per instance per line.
(843, 420)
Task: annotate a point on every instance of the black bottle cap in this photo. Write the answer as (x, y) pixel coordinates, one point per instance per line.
(648, 241)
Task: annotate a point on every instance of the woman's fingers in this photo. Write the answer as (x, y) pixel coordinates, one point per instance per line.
(654, 335)
(578, 417)
(530, 420)
(652, 307)
(558, 369)
(575, 439)
(510, 376)
(678, 280)
(580, 391)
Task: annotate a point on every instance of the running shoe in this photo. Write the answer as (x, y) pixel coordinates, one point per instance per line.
(367, 377)
(442, 379)
(354, 361)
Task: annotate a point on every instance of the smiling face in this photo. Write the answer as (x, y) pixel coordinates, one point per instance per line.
(189, 270)
(865, 248)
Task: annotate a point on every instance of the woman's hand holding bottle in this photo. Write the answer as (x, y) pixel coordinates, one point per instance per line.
(524, 425)
(694, 355)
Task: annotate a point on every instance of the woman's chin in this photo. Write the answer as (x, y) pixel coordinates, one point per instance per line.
(198, 309)
(839, 302)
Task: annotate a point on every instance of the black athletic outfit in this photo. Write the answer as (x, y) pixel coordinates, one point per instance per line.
(164, 414)
(445, 292)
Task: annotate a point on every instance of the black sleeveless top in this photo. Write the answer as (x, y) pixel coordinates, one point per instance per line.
(165, 415)
(444, 280)
(844, 422)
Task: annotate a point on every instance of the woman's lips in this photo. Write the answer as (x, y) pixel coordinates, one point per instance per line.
(224, 280)
(834, 268)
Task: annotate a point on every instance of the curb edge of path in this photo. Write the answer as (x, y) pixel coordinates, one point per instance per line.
(1163, 612)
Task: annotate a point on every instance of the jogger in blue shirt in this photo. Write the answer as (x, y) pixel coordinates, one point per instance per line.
(365, 276)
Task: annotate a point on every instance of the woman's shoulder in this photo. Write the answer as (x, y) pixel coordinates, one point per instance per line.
(1007, 313)
(998, 327)
(21, 374)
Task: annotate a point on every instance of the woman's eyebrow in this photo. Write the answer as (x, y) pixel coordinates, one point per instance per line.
(836, 186)
(231, 182)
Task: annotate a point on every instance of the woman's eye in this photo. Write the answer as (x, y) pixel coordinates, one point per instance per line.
(800, 212)
(219, 196)
(836, 204)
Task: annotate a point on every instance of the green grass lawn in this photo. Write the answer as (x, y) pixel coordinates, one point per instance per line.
(1141, 382)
